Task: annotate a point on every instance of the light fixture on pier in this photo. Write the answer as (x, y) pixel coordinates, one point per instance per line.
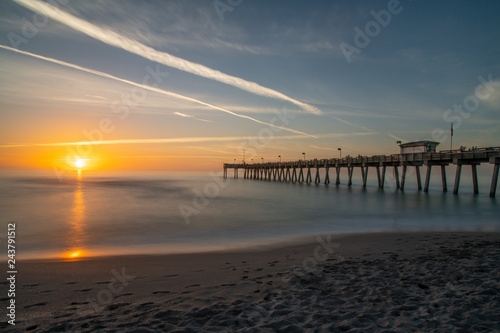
(304, 156)
(340, 151)
(279, 157)
(262, 158)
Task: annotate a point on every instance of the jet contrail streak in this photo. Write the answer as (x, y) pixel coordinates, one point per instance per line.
(115, 39)
(143, 86)
(180, 140)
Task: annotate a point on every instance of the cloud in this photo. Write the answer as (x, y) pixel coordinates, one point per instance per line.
(133, 46)
(184, 140)
(190, 116)
(146, 87)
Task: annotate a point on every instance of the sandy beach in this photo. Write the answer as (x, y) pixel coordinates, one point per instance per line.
(387, 282)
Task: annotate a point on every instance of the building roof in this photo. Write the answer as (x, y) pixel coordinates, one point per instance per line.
(418, 143)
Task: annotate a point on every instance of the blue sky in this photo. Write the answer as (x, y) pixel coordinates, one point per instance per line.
(232, 75)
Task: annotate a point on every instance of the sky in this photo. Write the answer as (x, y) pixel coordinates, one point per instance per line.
(189, 85)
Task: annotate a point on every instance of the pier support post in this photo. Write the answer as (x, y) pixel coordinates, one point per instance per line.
(379, 180)
(287, 175)
(364, 174)
(294, 175)
(474, 179)
(225, 172)
(317, 180)
(443, 178)
(427, 178)
(403, 178)
(350, 170)
(494, 180)
(308, 177)
(419, 181)
(396, 176)
(301, 175)
(457, 178)
(337, 180)
(383, 175)
(327, 176)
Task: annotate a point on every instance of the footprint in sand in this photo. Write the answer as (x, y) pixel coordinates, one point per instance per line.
(47, 291)
(37, 304)
(171, 275)
(79, 303)
(228, 285)
(103, 282)
(63, 315)
(161, 292)
(116, 306)
(122, 295)
(70, 283)
(83, 290)
(30, 285)
(192, 285)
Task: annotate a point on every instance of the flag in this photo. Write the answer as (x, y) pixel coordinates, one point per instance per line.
(451, 129)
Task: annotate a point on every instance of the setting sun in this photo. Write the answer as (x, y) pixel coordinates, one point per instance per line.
(80, 163)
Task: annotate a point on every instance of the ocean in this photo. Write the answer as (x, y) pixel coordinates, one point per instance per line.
(118, 213)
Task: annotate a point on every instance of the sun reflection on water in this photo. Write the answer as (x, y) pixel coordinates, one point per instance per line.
(77, 234)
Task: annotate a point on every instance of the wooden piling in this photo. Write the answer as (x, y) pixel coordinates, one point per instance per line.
(350, 170)
(403, 178)
(494, 180)
(396, 176)
(419, 181)
(457, 178)
(308, 177)
(427, 178)
(443, 178)
(474, 179)
(317, 180)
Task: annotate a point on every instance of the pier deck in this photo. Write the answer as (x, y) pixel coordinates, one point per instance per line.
(294, 171)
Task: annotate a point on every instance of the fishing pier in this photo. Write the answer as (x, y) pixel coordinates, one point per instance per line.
(308, 171)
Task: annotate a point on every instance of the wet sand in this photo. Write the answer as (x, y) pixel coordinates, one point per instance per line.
(422, 281)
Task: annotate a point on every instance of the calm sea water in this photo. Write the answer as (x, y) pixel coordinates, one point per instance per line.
(99, 213)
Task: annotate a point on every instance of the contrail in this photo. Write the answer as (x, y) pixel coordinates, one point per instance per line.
(143, 86)
(181, 140)
(114, 39)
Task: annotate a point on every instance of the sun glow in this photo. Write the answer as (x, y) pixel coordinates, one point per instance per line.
(80, 163)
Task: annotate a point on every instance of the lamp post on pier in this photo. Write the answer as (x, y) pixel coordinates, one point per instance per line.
(304, 156)
(280, 158)
(340, 152)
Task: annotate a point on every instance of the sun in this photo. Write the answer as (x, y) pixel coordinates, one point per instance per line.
(80, 163)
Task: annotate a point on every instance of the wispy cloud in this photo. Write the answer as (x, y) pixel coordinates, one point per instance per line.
(191, 116)
(184, 140)
(133, 46)
(143, 86)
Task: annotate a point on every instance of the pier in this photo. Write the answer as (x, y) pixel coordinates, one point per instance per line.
(308, 171)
